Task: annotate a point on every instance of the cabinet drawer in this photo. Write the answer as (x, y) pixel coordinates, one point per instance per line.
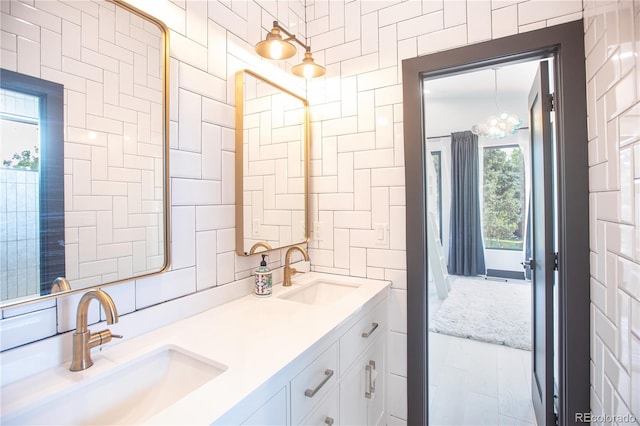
(313, 383)
(327, 411)
(356, 339)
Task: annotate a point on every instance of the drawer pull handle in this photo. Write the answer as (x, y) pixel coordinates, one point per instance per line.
(328, 421)
(328, 374)
(370, 370)
(374, 325)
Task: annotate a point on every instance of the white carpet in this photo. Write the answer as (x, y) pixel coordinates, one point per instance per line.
(489, 311)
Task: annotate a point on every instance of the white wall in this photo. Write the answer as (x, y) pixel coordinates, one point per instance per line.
(612, 44)
(444, 116)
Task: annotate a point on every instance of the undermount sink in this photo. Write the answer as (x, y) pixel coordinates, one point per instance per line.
(319, 292)
(127, 394)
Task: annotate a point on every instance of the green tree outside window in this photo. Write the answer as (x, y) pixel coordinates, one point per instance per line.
(26, 160)
(503, 198)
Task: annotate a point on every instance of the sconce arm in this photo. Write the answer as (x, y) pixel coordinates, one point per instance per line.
(291, 36)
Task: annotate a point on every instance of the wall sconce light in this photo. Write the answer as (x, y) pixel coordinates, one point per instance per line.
(275, 47)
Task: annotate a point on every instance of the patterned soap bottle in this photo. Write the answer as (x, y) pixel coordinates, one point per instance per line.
(263, 279)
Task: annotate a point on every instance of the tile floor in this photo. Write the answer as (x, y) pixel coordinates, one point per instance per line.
(477, 383)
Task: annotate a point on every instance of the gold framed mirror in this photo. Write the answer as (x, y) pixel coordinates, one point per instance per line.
(272, 165)
(84, 148)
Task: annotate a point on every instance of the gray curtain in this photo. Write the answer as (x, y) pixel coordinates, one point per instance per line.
(466, 251)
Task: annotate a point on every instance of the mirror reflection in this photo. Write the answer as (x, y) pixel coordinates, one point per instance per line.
(31, 185)
(272, 148)
(83, 150)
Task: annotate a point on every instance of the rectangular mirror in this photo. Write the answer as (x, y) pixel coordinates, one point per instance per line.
(272, 165)
(83, 148)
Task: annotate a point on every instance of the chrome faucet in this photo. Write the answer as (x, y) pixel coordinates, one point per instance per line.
(83, 339)
(288, 270)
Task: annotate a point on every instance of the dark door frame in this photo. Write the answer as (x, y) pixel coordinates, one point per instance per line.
(565, 43)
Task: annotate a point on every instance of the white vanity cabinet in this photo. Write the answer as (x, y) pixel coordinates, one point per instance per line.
(362, 387)
(313, 383)
(311, 354)
(362, 390)
(327, 411)
(342, 382)
(272, 413)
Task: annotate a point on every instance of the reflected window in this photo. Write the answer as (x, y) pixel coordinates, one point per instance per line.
(31, 185)
(503, 197)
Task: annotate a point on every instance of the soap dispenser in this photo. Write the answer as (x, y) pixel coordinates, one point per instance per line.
(263, 279)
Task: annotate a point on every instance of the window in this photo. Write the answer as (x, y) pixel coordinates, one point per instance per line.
(503, 198)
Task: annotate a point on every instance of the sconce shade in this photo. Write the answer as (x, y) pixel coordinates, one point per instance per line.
(308, 68)
(274, 47)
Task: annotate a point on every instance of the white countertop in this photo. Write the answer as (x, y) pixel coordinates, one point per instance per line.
(254, 337)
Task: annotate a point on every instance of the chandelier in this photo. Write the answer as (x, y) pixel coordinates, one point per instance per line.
(500, 125)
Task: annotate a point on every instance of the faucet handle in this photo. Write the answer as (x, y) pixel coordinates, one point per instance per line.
(102, 337)
(295, 271)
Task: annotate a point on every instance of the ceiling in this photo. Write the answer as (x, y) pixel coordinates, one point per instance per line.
(513, 81)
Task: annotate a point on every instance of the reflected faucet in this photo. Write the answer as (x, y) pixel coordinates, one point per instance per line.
(259, 244)
(59, 285)
(83, 339)
(288, 270)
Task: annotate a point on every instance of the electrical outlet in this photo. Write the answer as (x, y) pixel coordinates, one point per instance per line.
(256, 228)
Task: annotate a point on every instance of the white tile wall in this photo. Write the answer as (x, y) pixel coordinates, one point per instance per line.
(368, 129)
(349, 106)
(273, 166)
(612, 44)
(209, 43)
(19, 230)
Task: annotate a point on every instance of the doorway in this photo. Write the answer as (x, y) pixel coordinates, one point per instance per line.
(564, 43)
(479, 322)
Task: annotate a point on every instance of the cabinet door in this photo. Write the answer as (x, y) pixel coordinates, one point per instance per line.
(353, 405)
(358, 337)
(273, 412)
(362, 389)
(375, 367)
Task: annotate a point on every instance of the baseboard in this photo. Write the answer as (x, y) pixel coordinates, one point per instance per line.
(516, 275)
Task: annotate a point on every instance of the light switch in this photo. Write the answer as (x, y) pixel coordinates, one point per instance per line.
(256, 228)
(380, 230)
(317, 231)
